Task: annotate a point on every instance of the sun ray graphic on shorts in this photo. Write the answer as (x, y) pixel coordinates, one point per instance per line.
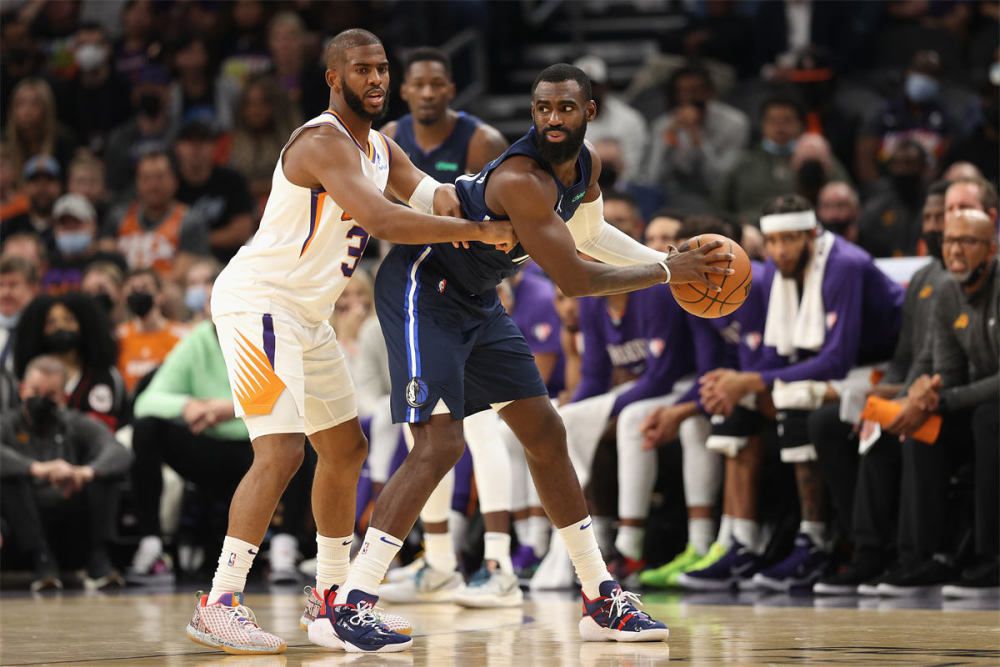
(257, 386)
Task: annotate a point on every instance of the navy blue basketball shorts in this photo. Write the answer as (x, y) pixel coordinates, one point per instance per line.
(447, 348)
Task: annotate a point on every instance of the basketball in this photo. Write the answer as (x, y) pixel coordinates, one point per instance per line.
(697, 300)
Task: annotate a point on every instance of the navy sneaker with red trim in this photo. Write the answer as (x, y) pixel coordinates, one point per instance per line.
(615, 616)
(354, 626)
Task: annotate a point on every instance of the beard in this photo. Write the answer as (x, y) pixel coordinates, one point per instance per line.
(564, 151)
(357, 105)
(800, 268)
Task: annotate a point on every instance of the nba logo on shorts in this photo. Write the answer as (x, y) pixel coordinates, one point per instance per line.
(416, 392)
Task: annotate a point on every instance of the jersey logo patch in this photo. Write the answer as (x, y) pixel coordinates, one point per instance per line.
(446, 166)
(831, 319)
(416, 392)
(656, 346)
(926, 291)
(542, 331)
(962, 321)
(442, 286)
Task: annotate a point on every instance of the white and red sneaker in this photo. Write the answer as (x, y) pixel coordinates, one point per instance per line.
(231, 627)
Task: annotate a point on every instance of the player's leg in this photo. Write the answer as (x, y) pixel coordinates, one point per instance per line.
(530, 523)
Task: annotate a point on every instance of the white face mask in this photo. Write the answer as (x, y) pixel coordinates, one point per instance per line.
(90, 56)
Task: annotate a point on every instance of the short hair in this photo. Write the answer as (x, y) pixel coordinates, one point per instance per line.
(851, 192)
(156, 154)
(695, 225)
(43, 251)
(47, 364)
(938, 188)
(987, 193)
(618, 195)
(348, 39)
(428, 54)
(565, 72)
(108, 269)
(783, 101)
(687, 69)
(207, 260)
(786, 204)
(146, 271)
(20, 265)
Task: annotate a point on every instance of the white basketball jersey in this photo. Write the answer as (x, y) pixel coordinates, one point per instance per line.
(307, 246)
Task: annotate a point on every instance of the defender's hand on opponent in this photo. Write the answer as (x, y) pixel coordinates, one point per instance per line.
(497, 233)
(694, 266)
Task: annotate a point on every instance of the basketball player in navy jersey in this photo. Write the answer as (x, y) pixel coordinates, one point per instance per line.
(453, 351)
(447, 144)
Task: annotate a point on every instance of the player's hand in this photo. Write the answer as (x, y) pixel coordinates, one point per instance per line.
(660, 426)
(498, 233)
(446, 201)
(694, 266)
(909, 419)
(925, 392)
(195, 413)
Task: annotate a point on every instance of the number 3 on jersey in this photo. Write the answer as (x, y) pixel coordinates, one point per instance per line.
(354, 251)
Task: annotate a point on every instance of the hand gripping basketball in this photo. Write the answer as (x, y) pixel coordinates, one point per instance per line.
(709, 283)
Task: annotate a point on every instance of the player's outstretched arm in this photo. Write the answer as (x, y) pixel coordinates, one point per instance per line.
(328, 156)
(527, 201)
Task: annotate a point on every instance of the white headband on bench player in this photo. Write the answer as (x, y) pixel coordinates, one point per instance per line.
(799, 221)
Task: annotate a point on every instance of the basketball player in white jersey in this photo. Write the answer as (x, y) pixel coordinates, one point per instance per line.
(271, 305)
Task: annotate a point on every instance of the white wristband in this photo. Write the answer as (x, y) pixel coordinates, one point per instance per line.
(422, 198)
(663, 263)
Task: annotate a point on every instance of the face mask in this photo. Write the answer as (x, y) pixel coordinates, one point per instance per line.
(608, 178)
(812, 175)
(105, 302)
(73, 243)
(933, 242)
(62, 340)
(90, 56)
(140, 303)
(921, 88)
(9, 322)
(970, 278)
(150, 105)
(774, 148)
(195, 298)
(41, 411)
(838, 227)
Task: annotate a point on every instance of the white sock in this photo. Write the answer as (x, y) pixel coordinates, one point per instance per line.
(371, 564)
(700, 534)
(539, 538)
(496, 546)
(333, 561)
(604, 529)
(581, 543)
(629, 541)
(234, 566)
(150, 548)
(439, 552)
(816, 530)
(747, 533)
(725, 531)
(522, 528)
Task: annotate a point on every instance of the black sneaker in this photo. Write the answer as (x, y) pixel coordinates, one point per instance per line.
(978, 582)
(101, 574)
(46, 574)
(870, 587)
(848, 581)
(921, 579)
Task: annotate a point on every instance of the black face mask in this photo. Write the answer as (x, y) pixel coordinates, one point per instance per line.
(150, 105)
(41, 411)
(908, 186)
(62, 340)
(105, 302)
(140, 303)
(933, 242)
(608, 178)
(812, 176)
(838, 227)
(976, 274)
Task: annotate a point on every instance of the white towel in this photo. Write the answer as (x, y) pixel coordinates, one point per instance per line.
(792, 325)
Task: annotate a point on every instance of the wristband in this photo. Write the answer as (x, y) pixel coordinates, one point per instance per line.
(422, 198)
(663, 263)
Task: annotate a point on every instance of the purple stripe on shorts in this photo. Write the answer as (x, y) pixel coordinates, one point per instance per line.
(269, 338)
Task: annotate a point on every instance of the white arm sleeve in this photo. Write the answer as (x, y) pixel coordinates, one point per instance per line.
(605, 242)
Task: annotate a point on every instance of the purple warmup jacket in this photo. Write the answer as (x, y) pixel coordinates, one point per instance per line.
(535, 315)
(652, 340)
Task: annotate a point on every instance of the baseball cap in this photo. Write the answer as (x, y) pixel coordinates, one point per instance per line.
(75, 206)
(198, 129)
(40, 165)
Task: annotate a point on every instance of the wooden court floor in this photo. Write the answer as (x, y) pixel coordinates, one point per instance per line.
(143, 629)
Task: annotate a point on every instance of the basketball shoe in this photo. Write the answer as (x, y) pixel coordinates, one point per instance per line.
(352, 626)
(150, 566)
(426, 585)
(314, 609)
(982, 581)
(397, 574)
(735, 568)
(666, 575)
(490, 587)
(801, 568)
(615, 616)
(525, 561)
(228, 625)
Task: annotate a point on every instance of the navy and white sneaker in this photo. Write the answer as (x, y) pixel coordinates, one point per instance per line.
(800, 569)
(353, 626)
(615, 616)
(736, 568)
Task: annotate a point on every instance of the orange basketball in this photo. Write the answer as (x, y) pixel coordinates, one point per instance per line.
(697, 300)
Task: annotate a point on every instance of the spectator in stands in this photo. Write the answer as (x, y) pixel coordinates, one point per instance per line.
(29, 247)
(73, 328)
(916, 114)
(131, 53)
(352, 310)
(60, 477)
(147, 338)
(838, 209)
(156, 230)
(980, 146)
(264, 120)
(697, 142)
(662, 231)
(960, 170)
(32, 128)
(195, 93)
(185, 419)
(217, 196)
(13, 200)
(75, 228)
(765, 171)
(86, 178)
(890, 221)
(105, 282)
(622, 211)
(615, 120)
(20, 57)
(198, 288)
(648, 198)
(151, 129)
(43, 186)
(813, 164)
(18, 286)
(298, 75)
(96, 99)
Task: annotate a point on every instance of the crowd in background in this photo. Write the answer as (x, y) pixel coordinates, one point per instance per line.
(136, 160)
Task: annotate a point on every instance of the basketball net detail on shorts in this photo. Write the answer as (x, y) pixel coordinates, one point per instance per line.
(257, 386)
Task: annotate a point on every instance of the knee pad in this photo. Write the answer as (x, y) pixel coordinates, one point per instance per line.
(731, 434)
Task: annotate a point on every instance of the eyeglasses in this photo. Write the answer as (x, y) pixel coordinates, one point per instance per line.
(967, 242)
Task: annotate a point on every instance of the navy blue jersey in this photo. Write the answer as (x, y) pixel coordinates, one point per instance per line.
(480, 268)
(446, 162)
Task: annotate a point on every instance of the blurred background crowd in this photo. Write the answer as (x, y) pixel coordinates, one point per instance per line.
(138, 143)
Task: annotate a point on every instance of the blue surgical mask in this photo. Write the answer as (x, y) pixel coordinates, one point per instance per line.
(774, 148)
(921, 88)
(74, 243)
(9, 322)
(195, 298)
